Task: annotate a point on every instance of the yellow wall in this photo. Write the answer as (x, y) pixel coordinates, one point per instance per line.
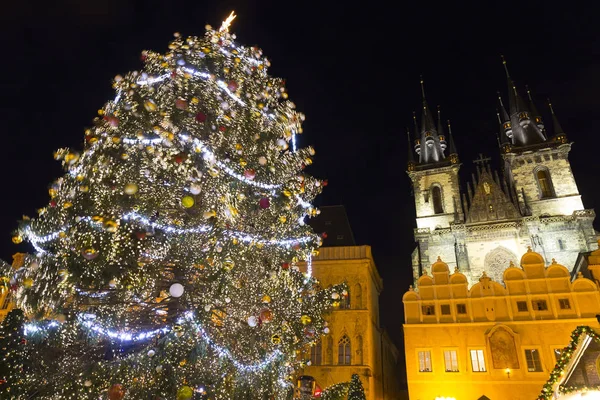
(536, 309)
(355, 266)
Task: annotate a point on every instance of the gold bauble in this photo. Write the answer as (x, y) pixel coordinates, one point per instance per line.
(266, 299)
(282, 219)
(84, 188)
(305, 319)
(276, 339)
(17, 239)
(27, 282)
(150, 105)
(110, 226)
(52, 192)
(228, 264)
(67, 204)
(185, 392)
(131, 188)
(187, 201)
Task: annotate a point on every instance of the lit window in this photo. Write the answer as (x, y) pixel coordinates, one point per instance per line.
(477, 361)
(532, 356)
(315, 353)
(436, 194)
(545, 184)
(424, 361)
(451, 360)
(522, 306)
(557, 354)
(564, 304)
(461, 308)
(445, 309)
(539, 305)
(428, 310)
(344, 350)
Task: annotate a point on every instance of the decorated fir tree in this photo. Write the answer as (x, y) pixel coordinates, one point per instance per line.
(12, 354)
(166, 263)
(355, 389)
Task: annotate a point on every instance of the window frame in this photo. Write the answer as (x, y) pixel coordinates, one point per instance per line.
(538, 351)
(561, 302)
(418, 357)
(441, 198)
(483, 355)
(346, 354)
(445, 307)
(451, 350)
(464, 306)
(316, 353)
(521, 302)
(550, 193)
(429, 307)
(536, 302)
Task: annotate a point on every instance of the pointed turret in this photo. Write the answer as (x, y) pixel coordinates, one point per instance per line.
(452, 153)
(417, 136)
(431, 145)
(537, 117)
(524, 131)
(505, 125)
(440, 130)
(411, 157)
(559, 133)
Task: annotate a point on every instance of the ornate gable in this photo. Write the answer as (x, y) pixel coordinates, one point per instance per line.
(489, 202)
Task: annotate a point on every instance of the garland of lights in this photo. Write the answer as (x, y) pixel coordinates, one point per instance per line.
(565, 357)
(172, 243)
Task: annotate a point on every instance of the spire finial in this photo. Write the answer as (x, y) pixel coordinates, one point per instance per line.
(422, 88)
(528, 93)
(550, 105)
(505, 67)
(439, 113)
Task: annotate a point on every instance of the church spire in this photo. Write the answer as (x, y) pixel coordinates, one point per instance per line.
(417, 136)
(537, 117)
(452, 153)
(559, 133)
(440, 129)
(524, 132)
(427, 124)
(411, 157)
(431, 144)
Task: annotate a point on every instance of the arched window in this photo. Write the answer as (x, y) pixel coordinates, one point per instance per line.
(436, 195)
(316, 353)
(345, 302)
(344, 351)
(544, 183)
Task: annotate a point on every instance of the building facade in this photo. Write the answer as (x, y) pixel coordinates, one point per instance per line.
(535, 202)
(491, 341)
(356, 343)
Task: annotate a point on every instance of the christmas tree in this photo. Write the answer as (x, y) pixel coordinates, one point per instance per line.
(355, 389)
(166, 263)
(13, 356)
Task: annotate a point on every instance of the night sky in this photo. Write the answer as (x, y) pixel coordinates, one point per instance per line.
(353, 70)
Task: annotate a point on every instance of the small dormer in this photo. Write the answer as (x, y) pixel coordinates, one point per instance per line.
(533, 264)
(440, 272)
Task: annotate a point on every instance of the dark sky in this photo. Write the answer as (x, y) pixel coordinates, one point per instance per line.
(352, 67)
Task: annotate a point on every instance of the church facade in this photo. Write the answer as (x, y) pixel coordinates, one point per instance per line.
(535, 202)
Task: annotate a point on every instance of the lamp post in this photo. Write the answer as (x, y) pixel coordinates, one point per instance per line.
(507, 372)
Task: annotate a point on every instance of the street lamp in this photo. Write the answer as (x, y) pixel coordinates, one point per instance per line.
(507, 372)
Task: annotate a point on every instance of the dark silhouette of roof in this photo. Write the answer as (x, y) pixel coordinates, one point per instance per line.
(333, 221)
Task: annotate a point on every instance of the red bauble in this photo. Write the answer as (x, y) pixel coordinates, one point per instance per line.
(296, 246)
(324, 183)
(140, 234)
(200, 117)
(181, 104)
(285, 266)
(179, 158)
(52, 203)
(324, 235)
(222, 128)
(264, 202)
(266, 315)
(249, 174)
(112, 120)
(232, 85)
(116, 392)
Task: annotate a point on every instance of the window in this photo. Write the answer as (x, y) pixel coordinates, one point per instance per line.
(327, 222)
(316, 353)
(539, 305)
(450, 361)
(564, 304)
(340, 237)
(428, 310)
(532, 356)
(445, 309)
(477, 361)
(545, 184)
(436, 194)
(461, 308)
(557, 354)
(522, 306)
(424, 361)
(345, 302)
(561, 244)
(344, 350)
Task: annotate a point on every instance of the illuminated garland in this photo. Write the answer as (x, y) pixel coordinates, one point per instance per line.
(565, 357)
